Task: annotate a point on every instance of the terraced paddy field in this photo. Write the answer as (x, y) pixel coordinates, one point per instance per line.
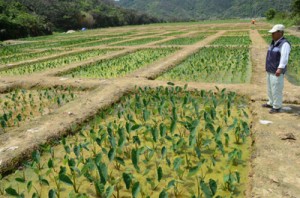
(164, 110)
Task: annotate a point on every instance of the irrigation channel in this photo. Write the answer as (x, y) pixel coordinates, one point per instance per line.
(166, 110)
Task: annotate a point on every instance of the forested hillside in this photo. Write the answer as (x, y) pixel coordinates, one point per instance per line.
(178, 10)
(19, 18)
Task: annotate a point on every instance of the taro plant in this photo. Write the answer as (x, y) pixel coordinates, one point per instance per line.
(156, 142)
(22, 105)
(213, 64)
(54, 63)
(122, 65)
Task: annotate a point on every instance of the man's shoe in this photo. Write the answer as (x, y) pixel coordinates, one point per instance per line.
(267, 106)
(274, 111)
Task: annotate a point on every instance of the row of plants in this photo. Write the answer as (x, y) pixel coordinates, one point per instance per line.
(293, 67)
(213, 65)
(27, 56)
(21, 105)
(101, 42)
(173, 33)
(264, 32)
(122, 65)
(160, 142)
(26, 46)
(64, 36)
(237, 33)
(46, 44)
(9, 50)
(140, 41)
(233, 40)
(294, 40)
(29, 68)
(188, 40)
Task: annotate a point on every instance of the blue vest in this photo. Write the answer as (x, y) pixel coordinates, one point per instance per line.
(273, 56)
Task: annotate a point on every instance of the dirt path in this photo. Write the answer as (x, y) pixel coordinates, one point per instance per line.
(276, 164)
(275, 159)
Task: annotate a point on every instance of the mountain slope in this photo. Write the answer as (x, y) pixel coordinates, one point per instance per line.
(178, 10)
(21, 18)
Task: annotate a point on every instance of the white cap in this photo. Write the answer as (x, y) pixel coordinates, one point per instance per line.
(278, 27)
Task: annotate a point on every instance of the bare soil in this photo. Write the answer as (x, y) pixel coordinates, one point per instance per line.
(276, 149)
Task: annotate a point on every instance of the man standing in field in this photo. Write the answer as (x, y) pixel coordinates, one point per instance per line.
(276, 66)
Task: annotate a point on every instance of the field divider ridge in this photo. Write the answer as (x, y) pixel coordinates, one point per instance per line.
(59, 123)
(65, 69)
(155, 69)
(52, 57)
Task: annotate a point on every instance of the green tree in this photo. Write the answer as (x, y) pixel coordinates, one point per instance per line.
(296, 7)
(270, 14)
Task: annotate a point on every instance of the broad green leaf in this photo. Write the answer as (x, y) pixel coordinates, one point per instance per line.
(177, 162)
(135, 127)
(128, 127)
(198, 152)
(21, 180)
(100, 188)
(205, 189)
(213, 186)
(122, 141)
(194, 170)
(146, 115)
(163, 194)
(98, 158)
(44, 181)
(163, 130)
(29, 186)
(220, 147)
(127, 178)
(64, 178)
(246, 128)
(112, 141)
(19, 117)
(102, 169)
(172, 183)
(109, 191)
(76, 151)
(35, 195)
(50, 163)
(135, 158)
(238, 177)
(163, 152)
(110, 130)
(173, 126)
(12, 192)
(154, 133)
(51, 194)
(62, 170)
(111, 154)
(213, 114)
(71, 162)
(210, 127)
(168, 161)
(3, 124)
(226, 139)
(36, 156)
(67, 149)
(136, 140)
(192, 139)
(185, 86)
(135, 189)
(159, 173)
(170, 83)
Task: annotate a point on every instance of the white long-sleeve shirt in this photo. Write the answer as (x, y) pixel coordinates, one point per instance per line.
(285, 52)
